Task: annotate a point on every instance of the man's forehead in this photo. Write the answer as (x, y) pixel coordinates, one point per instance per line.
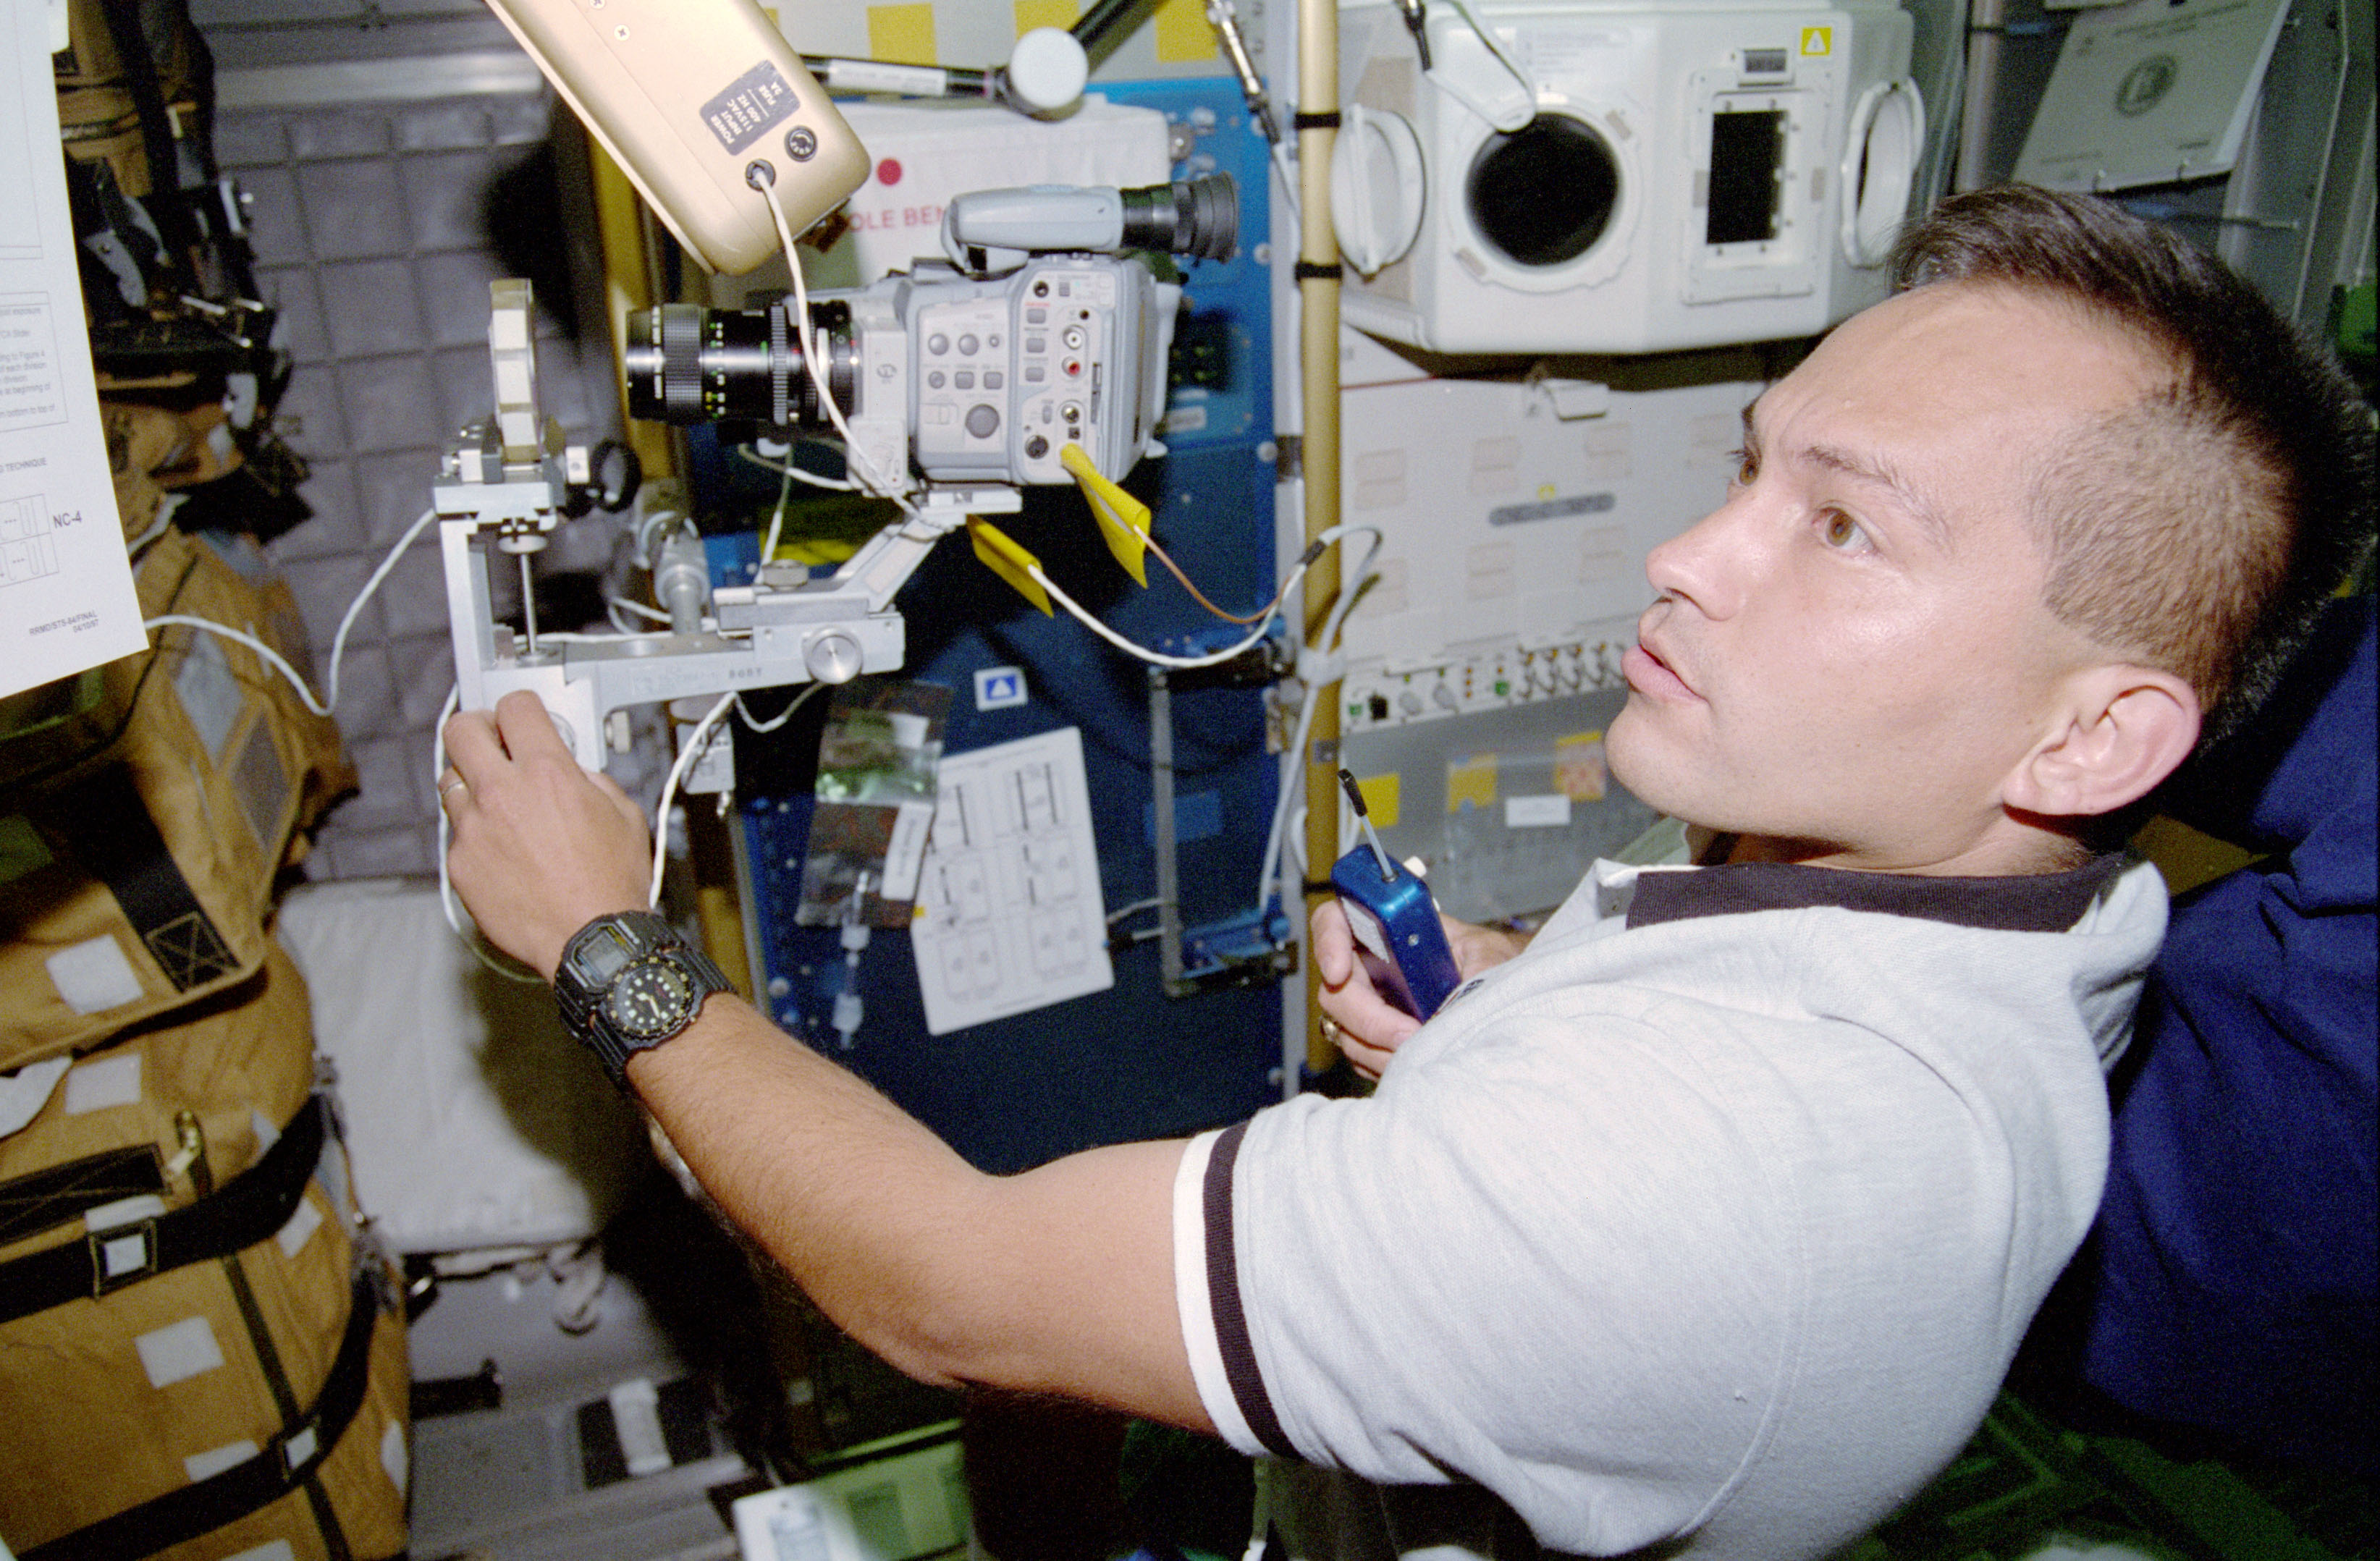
(2033, 348)
(1953, 372)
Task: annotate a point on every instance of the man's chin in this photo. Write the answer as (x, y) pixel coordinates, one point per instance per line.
(1624, 754)
(1674, 785)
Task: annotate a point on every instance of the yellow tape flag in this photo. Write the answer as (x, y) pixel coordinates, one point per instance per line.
(1123, 520)
(1001, 555)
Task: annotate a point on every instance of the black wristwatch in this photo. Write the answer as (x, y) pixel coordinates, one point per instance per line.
(629, 982)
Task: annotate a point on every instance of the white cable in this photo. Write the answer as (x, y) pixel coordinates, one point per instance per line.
(330, 699)
(689, 749)
(1495, 45)
(271, 657)
(788, 468)
(1269, 869)
(158, 527)
(777, 521)
(339, 641)
(765, 727)
(1350, 584)
(1288, 179)
(1154, 658)
(814, 339)
(1158, 658)
(654, 615)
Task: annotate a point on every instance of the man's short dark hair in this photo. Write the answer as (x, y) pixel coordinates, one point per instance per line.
(2200, 529)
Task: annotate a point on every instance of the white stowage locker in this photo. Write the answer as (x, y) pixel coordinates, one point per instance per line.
(475, 1123)
(1617, 176)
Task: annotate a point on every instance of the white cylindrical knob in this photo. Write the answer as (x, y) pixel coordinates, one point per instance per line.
(832, 656)
(1047, 72)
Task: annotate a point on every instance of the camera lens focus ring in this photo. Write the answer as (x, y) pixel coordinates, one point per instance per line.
(681, 361)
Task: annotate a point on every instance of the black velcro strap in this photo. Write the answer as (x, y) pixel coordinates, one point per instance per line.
(255, 1205)
(108, 828)
(1309, 270)
(43, 1200)
(1329, 121)
(180, 1516)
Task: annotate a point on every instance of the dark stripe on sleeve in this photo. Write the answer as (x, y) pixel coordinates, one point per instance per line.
(1223, 1299)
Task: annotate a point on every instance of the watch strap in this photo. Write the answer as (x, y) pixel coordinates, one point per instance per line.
(649, 939)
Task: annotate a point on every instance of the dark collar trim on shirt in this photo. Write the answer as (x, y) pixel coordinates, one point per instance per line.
(2040, 902)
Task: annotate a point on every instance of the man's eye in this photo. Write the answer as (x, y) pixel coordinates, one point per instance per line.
(1747, 466)
(1842, 532)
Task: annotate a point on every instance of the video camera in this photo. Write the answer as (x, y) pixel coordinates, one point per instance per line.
(1038, 332)
(961, 382)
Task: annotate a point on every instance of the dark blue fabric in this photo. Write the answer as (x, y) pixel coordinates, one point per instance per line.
(2235, 1250)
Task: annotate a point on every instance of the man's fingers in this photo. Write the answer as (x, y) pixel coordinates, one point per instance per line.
(529, 732)
(472, 745)
(1334, 943)
(1361, 1054)
(453, 790)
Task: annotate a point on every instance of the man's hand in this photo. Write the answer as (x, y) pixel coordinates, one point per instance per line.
(1370, 1028)
(541, 847)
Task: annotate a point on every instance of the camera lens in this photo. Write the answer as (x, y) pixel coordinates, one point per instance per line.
(1544, 193)
(1199, 217)
(687, 364)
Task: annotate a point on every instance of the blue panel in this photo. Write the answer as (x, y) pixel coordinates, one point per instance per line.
(1130, 1062)
(1198, 816)
(1223, 352)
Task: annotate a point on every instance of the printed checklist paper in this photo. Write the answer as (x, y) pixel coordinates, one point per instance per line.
(65, 586)
(1009, 916)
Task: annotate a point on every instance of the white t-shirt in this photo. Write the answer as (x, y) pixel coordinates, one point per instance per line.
(1716, 1215)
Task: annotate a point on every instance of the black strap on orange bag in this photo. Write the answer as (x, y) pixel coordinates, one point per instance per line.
(252, 1206)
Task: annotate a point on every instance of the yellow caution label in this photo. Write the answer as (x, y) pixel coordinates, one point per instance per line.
(1471, 779)
(1817, 41)
(1183, 34)
(903, 34)
(1060, 14)
(1383, 799)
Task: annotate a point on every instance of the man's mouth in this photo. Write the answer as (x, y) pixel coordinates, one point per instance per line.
(1649, 673)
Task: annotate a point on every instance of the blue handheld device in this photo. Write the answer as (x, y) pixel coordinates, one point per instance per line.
(1398, 934)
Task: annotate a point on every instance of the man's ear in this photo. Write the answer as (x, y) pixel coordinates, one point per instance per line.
(2123, 728)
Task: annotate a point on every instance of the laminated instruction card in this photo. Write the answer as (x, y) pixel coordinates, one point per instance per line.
(1009, 916)
(67, 601)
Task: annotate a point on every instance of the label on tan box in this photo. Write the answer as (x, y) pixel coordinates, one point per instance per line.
(754, 103)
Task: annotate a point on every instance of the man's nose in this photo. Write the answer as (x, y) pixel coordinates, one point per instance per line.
(1708, 564)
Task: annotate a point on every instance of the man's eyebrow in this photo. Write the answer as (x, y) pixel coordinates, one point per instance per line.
(1868, 468)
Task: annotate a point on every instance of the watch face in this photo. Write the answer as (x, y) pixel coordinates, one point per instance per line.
(651, 998)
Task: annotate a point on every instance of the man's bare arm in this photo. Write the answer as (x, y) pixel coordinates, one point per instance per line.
(1059, 1280)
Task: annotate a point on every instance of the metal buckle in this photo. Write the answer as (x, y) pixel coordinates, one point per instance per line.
(299, 1448)
(104, 1275)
